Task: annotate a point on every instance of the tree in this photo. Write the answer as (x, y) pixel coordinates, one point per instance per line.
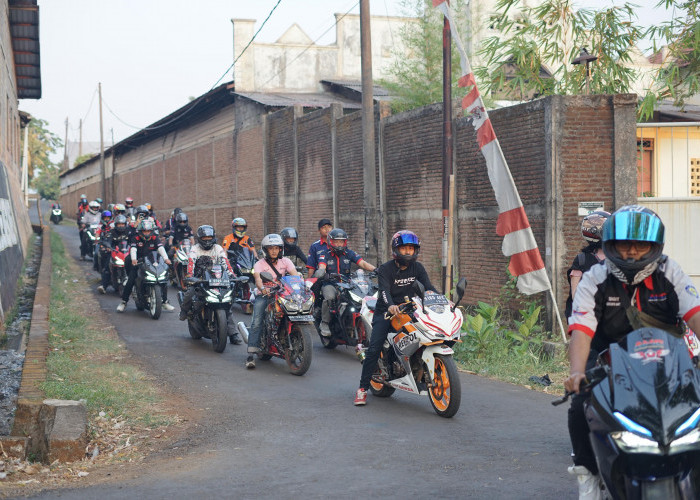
(47, 184)
(82, 158)
(42, 144)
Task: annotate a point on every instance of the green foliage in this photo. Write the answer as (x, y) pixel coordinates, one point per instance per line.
(42, 144)
(82, 158)
(47, 184)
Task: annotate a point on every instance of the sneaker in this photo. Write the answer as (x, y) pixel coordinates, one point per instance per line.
(589, 485)
(325, 330)
(167, 307)
(101, 289)
(121, 307)
(250, 362)
(360, 397)
(235, 339)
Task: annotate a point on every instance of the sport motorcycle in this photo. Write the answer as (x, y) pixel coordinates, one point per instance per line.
(242, 260)
(117, 271)
(151, 274)
(56, 215)
(179, 263)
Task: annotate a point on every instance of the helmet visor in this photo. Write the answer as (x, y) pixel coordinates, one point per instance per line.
(408, 239)
(636, 226)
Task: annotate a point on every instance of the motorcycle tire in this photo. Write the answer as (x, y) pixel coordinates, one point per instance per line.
(377, 388)
(155, 305)
(299, 351)
(363, 331)
(194, 330)
(446, 393)
(219, 337)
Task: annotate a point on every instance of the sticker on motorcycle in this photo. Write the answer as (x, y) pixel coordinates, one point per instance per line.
(403, 340)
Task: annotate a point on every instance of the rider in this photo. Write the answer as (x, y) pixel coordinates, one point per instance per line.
(102, 231)
(238, 236)
(142, 244)
(180, 231)
(129, 205)
(291, 249)
(277, 266)
(319, 246)
(119, 209)
(170, 223)
(396, 279)
(635, 281)
(338, 260)
(82, 207)
(88, 218)
(112, 239)
(590, 255)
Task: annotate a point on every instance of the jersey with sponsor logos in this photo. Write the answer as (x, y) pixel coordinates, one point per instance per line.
(395, 284)
(668, 294)
(339, 264)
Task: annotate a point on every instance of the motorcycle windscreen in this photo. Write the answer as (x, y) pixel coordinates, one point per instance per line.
(244, 257)
(295, 289)
(653, 381)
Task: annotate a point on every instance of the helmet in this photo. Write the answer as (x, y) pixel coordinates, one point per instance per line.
(287, 233)
(99, 200)
(129, 202)
(338, 240)
(119, 209)
(110, 207)
(177, 211)
(633, 223)
(592, 225)
(107, 214)
(272, 240)
(404, 238)
(83, 197)
(94, 207)
(148, 206)
(120, 223)
(143, 211)
(206, 237)
(146, 226)
(181, 219)
(239, 221)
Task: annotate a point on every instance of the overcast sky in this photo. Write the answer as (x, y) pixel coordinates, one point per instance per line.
(152, 55)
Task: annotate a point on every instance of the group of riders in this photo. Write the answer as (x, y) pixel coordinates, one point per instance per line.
(622, 262)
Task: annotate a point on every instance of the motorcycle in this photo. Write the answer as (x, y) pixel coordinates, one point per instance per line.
(347, 325)
(151, 274)
(180, 261)
(212, 303)
(417, 354)
(117, 270)
(242, 260)
(56, 215)
(644, 417)
(286, 324)
(91, 238)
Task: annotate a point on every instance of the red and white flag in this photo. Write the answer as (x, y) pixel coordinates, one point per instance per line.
(518, 241)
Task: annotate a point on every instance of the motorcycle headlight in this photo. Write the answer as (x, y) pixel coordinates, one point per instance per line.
(213, 296)
(163, 275)
(634, 443)
(150, 276)
(289, 305)
(354, 297)
(308, 304)
(689, 424)
(228, 296)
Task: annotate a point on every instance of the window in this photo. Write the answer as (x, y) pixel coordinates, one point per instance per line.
(645, 155)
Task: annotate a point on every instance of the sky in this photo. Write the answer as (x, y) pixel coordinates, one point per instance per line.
(151, 56)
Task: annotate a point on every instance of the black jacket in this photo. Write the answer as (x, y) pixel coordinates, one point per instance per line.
(395, 284)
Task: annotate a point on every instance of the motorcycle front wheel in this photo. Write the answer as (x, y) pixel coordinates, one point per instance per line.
(446, 391)
(299, 350)
(379, 389)
(155, 303)
(219, 333)
(195, 333)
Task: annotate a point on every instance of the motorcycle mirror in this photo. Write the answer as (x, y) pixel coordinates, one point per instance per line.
(266, 277)
(461, 288)
(320, 273)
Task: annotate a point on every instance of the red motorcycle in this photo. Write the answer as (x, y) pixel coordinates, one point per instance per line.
(116, 266)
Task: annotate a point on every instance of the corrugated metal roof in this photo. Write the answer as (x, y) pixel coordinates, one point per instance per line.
(307, 100)
(24, 31)
(665, 111)
(356, 85)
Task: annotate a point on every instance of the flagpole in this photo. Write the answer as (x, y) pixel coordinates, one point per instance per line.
(558, 314)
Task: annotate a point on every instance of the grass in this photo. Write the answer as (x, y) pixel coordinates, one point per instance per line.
(87, 360)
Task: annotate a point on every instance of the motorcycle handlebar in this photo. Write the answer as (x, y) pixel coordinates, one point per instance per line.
(593, 377)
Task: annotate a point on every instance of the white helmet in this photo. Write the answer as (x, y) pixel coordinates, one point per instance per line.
(272, 240)
(94, 207)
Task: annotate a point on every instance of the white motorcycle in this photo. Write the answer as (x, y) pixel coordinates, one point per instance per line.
(417, 354)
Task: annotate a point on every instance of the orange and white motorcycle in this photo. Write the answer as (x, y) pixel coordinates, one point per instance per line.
(417, 354)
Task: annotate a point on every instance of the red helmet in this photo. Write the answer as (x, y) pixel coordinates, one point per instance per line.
(405, 238)
(129, 202)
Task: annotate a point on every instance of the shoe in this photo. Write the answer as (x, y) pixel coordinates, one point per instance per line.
(167, 307)
(183, 315)
(360, 397)
(235, 339)
(325, 330)
(250, 362)
(590, 485)
(121, 307)
(101, 289)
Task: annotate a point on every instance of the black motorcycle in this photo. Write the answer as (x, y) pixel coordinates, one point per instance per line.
(242, 260)
(212, 302)
(151, 275)
(56, 215)
(644, 417)
(347, 326)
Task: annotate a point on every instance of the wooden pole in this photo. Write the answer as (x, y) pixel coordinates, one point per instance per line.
(446, 149)
(102, 149)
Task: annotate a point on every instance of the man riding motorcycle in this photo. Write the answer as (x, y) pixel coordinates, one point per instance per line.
(291, 249)
(277, 266)
(395, 279)
(180, 231)
(337, 259)
(319, 246)
(238, 236)
(635, 285)
(119, 233)
(87, 219)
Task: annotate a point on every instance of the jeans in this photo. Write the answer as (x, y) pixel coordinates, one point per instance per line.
(578, 426)
(329, 296)
(380, 331)
(256, 323)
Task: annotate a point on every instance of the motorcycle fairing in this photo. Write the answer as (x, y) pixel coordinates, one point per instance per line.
(428, 356)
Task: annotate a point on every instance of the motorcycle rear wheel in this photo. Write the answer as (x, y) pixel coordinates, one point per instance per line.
(377, 388)
(219, 337)
(155, 305)
(446, 393)
(299, 351)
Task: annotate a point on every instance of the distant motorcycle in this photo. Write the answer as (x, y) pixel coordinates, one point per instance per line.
(56, 215)
(151, 274)
(242, 260)
(417, 354)
(286, 324)
(180, 261)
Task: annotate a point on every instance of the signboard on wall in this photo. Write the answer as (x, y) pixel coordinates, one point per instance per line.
(586, 207)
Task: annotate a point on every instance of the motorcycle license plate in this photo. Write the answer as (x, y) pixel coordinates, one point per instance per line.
(305, 317)
(218, 282)
(433, 299)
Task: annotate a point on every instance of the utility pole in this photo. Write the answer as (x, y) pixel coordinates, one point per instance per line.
(233, 45)
(102, 147)
(446, 155)
(25, 167)
(80, 138)
(368, 162)
(65, 148)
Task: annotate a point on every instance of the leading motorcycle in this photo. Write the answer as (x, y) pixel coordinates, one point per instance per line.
(286, 325)
(152, 273)
(417, 354)
(644, 417)
(56, 215)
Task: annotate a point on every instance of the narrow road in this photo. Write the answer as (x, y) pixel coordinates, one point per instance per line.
(267, 434)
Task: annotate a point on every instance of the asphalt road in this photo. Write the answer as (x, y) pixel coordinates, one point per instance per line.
(267, 434)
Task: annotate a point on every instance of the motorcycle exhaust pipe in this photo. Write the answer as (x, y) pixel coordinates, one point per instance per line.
(243, 331)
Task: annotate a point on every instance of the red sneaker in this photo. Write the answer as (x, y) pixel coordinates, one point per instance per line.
(360, 397)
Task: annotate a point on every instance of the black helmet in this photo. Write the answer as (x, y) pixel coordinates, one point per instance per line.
(405, 238)
(120, 219)
(181, 219)
(289, 233)
(209, 233)
(177, 211)
(633, 223)
(143, 211)
(338, 240)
